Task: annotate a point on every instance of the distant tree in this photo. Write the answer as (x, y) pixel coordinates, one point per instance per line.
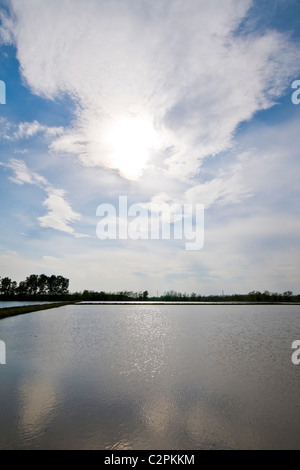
(62, 285)
(276, 297)
(22, 289)
(8, 287)
(4, 286)
(32, 284)
(145, 295)
(255, 296)
(85, 295)
(42, 284)
(287, 295)
(13, 289)
(57, 285)
(52, 285)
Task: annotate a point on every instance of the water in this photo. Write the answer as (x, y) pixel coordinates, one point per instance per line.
(151, 377)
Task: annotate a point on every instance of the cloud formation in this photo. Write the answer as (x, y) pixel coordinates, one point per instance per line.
(23, 175)
(60, 214)
(26, 130)
(180, 64)
(30, 129)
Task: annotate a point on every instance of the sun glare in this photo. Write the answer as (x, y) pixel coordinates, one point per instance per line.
(130, 141)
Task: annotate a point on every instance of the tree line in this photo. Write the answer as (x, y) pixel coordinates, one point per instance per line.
(43, 287)
(174, 296)
(39, 286)
(253, 296)
(112, 296)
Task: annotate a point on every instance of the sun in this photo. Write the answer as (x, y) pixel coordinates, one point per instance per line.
(130, 141)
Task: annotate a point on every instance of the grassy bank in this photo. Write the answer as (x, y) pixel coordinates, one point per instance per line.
(13, 311)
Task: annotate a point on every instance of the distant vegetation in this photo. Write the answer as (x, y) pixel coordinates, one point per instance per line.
(173, 296)
(35, 287)
(52, 288)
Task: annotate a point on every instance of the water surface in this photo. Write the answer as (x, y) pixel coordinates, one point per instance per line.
(151, 377)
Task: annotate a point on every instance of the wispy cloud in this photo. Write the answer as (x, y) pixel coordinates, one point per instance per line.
(27, 130)
(227, 187)
(4, 128)
(30, 129)
(183, 65)
(60, 214)
(23, 175)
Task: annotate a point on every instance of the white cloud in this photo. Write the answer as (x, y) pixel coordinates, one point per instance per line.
(60, 214)
(25, 130)
(229, 186)
(4, 128)
(30, 129)
(181, 64)
(22, 174)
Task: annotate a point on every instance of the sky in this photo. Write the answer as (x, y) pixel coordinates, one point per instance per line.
(174, 102)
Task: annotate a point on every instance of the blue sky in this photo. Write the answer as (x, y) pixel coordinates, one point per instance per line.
(163, 102)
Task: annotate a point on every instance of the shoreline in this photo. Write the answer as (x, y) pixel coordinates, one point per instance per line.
(108, 302)
(7, 312)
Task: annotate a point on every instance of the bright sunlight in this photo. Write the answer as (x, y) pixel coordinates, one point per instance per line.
(131, 140)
